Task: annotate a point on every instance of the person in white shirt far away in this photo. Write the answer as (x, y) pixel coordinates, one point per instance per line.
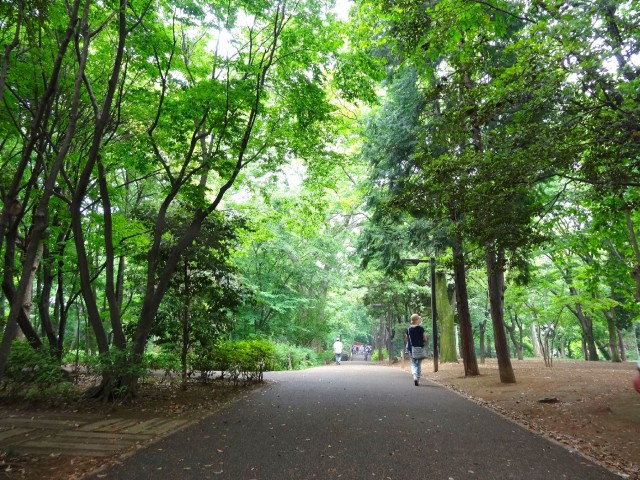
(337, 349)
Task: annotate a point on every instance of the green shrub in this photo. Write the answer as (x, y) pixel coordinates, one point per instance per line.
(168, 362)
(291, 356)
(204, 360)
(250, 359)
(77, 355)
(375, 356)
(34, 373)
(245, 359)
(117, 363)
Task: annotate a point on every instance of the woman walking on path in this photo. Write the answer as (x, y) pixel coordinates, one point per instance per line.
(416, 339)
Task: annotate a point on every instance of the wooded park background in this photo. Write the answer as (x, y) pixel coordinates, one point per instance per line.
(180, 176)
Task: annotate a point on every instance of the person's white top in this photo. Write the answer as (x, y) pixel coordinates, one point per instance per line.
(337, 346)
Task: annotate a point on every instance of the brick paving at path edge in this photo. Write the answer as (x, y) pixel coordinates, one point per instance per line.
(79, 435)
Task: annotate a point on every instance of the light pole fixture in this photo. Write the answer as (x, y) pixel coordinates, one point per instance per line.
(432, 263)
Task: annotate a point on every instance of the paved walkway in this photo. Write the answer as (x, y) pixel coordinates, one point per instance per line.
(354, 421)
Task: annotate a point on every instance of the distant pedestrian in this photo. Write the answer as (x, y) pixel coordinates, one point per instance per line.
(416, 339)
(337, 349)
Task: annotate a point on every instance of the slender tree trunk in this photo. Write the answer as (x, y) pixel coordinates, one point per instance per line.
(27, 301)
(43, 301)
(604, 351)
(544, 346)
(62, 308)
(390, 334)
(185, 324)
(589, 344)
(535, 341)
(110, 380)
(482, 335)
(495, 272)
(17, 320)
(585, 350)
(464, 316)
(517, 343)
(111, 289)
(623, 353)
(614, 349)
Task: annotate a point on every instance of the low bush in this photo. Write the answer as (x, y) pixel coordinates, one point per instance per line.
(291, 357)
(34, 374)
(245, 359)
(166, 361)
(118, 363)
(75, 356)
(205, 360)
(376, 355)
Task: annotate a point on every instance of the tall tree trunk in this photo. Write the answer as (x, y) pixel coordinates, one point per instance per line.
(110, 380)
(537, 351)
(586, 325)
(495, 273)
(390, 332)
(17, 320)
(185, 323)
(111, 289)
(482, 335)
(517, 343)
(462, 305)
(446, 324)
(43, 301)
(62, 308)
(614, 349)
(585, 350)
(623, 353)
(27, 301)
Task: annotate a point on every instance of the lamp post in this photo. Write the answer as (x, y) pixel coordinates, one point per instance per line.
(432, 263)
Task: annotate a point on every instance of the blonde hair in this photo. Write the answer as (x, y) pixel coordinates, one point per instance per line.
(415, 318)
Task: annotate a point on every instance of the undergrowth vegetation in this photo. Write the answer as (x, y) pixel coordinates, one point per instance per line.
(36, 374)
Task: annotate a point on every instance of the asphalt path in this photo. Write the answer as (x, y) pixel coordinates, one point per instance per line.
(354, 421)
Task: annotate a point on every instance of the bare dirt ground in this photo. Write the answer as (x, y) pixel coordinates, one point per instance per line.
(590, 407)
